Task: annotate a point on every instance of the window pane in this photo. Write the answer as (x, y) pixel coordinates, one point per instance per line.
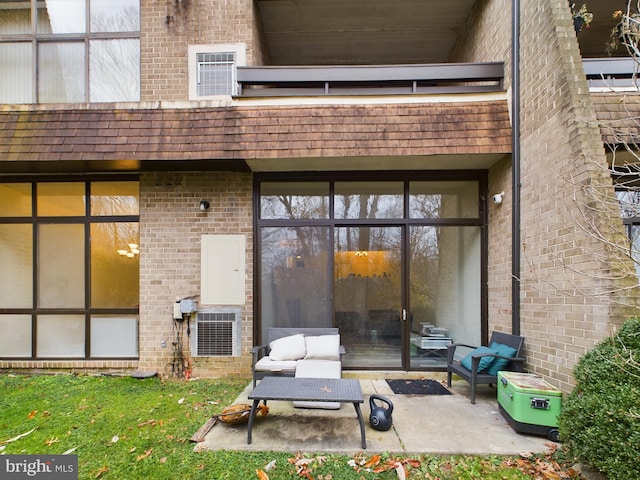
(367, 293)
(60, 336)
(115, 15)
(114, 336)
(294, 277)
(369, 200)
(115, 265)
(629, 203)
(114, 70)
(15, 340)
(16, 85)
(445, 271)
(61, 16)
(16, 199)
(16, 266)
(294, 200)
(61, 266)
(60, 199)
(115, 198)
(15, 17)
(61, 72)
(444, 200)
(634, 237)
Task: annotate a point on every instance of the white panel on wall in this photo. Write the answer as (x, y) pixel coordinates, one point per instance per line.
(222, 270)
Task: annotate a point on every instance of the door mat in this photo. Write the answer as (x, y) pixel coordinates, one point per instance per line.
(418, 387)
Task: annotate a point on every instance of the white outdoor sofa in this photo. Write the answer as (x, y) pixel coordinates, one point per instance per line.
(302, 353)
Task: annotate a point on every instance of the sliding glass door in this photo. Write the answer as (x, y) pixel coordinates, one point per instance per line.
(368, 294)
(396, 264)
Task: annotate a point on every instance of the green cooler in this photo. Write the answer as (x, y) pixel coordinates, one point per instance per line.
(529, 403)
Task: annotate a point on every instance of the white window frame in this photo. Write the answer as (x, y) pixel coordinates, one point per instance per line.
(239, 51)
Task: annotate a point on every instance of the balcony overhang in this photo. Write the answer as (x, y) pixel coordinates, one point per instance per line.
(444, 78)
(323, 32)
(438, 135)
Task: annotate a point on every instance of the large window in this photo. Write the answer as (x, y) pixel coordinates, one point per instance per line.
(54, 51)
(396, 263)
(630, 210)
(69, 269)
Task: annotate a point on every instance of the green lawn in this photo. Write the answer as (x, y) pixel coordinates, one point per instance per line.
(124, 428)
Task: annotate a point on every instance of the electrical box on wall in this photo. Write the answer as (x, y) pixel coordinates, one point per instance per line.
(188, 305)
(177, 314)
(222, 270)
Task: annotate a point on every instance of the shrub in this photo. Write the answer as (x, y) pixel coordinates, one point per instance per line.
(600, 419)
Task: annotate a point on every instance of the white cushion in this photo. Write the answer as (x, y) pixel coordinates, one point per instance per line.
(318, 369)
(288, 348)
(265, 364)
(323, 347)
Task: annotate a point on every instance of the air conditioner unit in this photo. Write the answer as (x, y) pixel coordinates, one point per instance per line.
(217, 334)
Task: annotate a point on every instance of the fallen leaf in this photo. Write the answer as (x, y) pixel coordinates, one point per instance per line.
(101, 470)
(70, 451)
(270, 466)
(401, 471)
(115, 438)
(262, 475)
(372, 462)
(148, 422)
(163, 460)
(181, 401)
(51, 441)
(144, 455)
(32, 414)
(18, 437)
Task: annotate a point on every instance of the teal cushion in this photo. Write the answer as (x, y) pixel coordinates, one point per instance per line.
(484, 361)
(500, 363)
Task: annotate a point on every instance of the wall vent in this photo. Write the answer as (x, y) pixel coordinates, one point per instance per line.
(217, 334)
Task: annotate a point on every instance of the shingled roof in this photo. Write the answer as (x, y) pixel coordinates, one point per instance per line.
(618, 115)
(232, 134)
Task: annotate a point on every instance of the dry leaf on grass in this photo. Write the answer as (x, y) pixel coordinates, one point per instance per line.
(18, 437)
(146, 454)
(101, 470)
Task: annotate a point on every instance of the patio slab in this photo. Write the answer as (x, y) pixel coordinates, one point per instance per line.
(435, 424)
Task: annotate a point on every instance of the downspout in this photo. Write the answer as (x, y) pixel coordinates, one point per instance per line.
(515, 159)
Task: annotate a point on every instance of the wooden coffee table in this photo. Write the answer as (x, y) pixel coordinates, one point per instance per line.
(308, 389)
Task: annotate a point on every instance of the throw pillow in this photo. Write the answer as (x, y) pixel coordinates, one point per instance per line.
(500, 363)
(288, 348)
(484, 361)
(323, 347)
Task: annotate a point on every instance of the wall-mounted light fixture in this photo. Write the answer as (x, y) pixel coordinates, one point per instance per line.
(204, 205)
(498, 197)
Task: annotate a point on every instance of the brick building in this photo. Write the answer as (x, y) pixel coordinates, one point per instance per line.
(312, 163)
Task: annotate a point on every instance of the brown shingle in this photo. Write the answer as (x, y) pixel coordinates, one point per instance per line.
(258, 132)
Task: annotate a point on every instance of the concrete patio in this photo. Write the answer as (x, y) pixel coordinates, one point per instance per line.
(435, 424)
